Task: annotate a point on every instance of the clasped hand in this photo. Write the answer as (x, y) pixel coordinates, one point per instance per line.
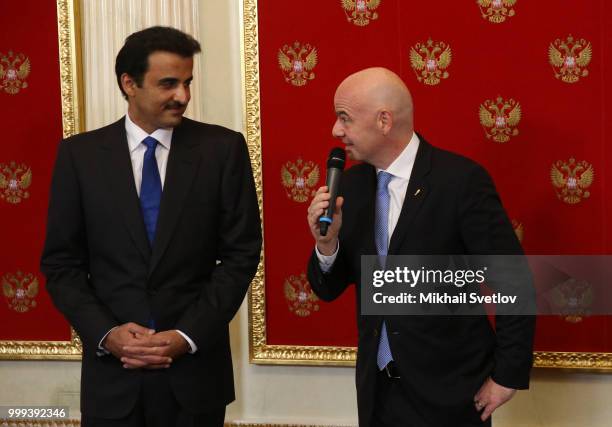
(140, 347)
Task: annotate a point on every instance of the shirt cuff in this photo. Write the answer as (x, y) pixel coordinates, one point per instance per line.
(101, 350)
(326, 262)
(192, 346)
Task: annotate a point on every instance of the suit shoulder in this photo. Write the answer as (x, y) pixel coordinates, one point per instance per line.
(214, 141)
(211, 131)
(456, 174)
(452, 163)
(90, 135)
(89, 140)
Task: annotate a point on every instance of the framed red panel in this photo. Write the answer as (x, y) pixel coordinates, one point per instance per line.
(521, 89)
(39, 104)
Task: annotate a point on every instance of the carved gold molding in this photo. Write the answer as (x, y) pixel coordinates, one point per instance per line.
(69, 44)
(69, 40)
(259, 351)
(42, 350)
(582, 361)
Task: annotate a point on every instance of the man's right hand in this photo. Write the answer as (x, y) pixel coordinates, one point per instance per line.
(132, 334)
(327, 244)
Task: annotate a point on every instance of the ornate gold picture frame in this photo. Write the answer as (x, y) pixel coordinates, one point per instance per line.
(260, 352)
(70, 80)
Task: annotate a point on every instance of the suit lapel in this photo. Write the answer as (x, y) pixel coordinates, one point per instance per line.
(180, 172)
(417, 192)
(368, 189)
(118, 170)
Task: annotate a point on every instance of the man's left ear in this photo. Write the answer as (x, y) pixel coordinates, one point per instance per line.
(385, 121)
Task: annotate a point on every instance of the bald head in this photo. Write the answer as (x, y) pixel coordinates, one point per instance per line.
(379, 101)
(381, 89)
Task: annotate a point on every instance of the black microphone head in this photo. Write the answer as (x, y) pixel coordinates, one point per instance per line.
(336, 158)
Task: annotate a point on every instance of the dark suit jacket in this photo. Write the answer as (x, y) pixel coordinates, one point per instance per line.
(102, 272)
(443, 361)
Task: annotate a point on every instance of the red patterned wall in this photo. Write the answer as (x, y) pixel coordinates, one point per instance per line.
(31, 117)
(496, 50)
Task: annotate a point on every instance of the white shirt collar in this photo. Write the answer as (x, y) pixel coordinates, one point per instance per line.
(135, 135)
(401, 167)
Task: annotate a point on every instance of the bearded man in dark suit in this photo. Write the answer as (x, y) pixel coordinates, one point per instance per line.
(153, 237)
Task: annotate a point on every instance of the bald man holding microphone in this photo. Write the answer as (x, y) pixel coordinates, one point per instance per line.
(408, 197)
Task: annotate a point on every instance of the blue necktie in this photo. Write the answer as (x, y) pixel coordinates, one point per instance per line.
(150, 188)
(381, 237)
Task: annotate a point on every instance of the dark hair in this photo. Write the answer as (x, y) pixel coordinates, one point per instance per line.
(133, 58)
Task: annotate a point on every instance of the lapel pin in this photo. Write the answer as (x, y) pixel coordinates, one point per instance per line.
(417, 192)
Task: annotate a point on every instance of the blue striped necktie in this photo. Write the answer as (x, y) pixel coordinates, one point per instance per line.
(381, 237)
(150, 188)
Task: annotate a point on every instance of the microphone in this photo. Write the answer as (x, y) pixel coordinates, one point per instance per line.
(335, 166)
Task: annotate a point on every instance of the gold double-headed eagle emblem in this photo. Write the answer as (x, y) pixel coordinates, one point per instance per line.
(300, 179)
(496, 11)
(572, 299)
(15, 179)
(570, 58)
(430, 60)
(299, 295)
(499, 118)
(20, 290)
(571, 180)
(14, 69)
(297, 62)
(360, 12)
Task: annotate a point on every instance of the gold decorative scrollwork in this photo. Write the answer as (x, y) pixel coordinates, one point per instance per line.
(68, 28)
(42, 350)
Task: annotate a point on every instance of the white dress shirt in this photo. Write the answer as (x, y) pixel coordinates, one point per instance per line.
(135, 136)
(401, 169)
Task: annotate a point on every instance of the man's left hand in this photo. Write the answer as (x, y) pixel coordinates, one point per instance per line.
(491, 396)
(176, 346)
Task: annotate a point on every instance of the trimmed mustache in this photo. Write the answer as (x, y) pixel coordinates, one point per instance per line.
(175, 105)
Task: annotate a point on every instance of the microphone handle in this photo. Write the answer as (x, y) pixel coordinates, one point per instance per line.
(323, 228)
(333, 182)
